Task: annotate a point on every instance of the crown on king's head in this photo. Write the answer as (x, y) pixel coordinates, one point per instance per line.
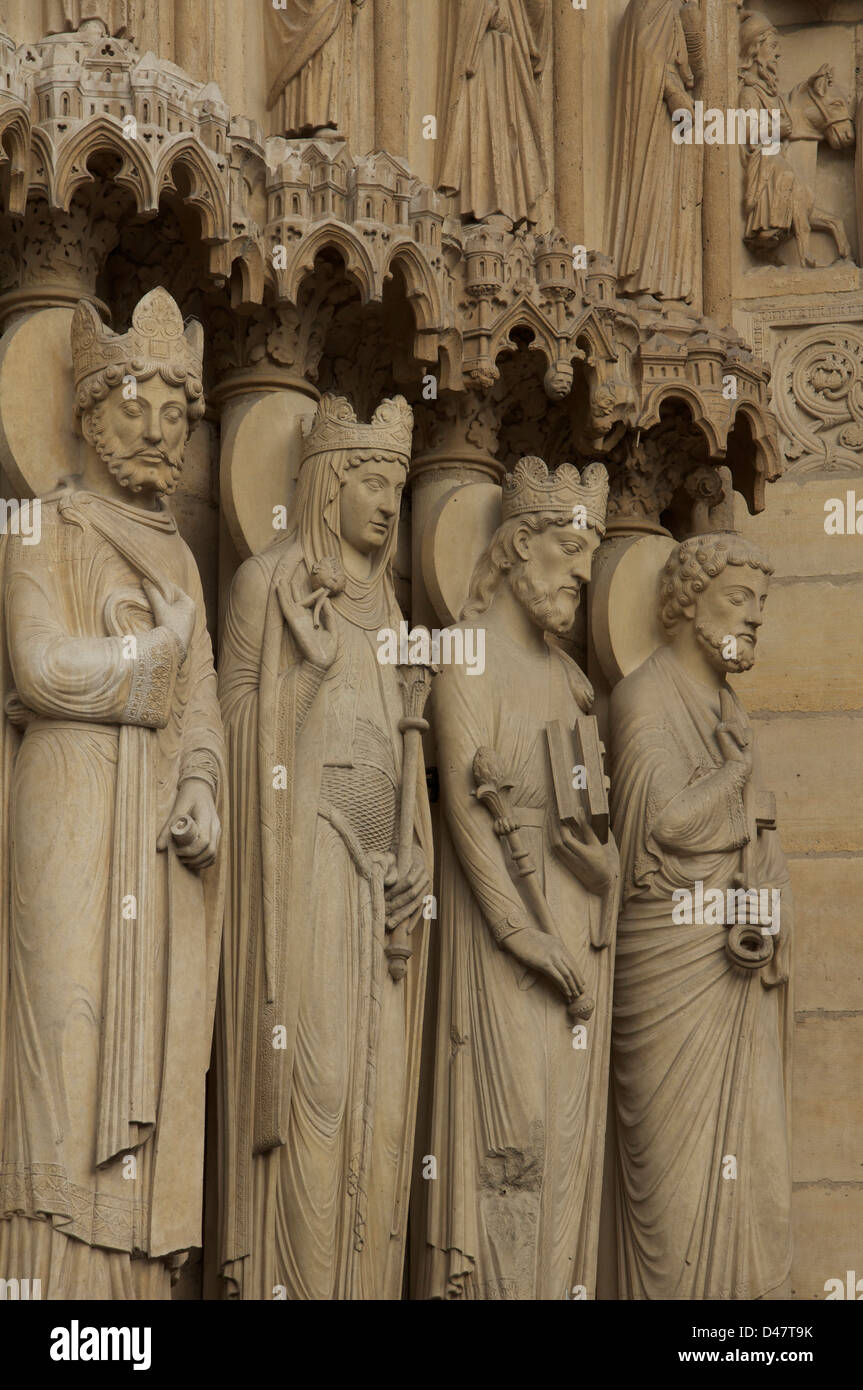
(530, 487)
(158, 338)
(335, 427)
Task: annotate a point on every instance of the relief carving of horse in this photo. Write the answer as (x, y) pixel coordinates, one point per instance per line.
(820, 111)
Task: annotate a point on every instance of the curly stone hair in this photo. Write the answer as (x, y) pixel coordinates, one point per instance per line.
(692, 565)
(95, 388)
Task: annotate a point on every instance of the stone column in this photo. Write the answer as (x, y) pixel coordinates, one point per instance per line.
(721, 213)
(391, 94)
(191, 38)
(570, 36)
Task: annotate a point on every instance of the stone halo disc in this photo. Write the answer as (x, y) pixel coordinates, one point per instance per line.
(38, 446)
(624, 607)
(458, 530)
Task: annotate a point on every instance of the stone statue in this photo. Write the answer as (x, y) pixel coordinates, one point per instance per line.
(777, 202)
(321, 1035)
(112, 773)
(653, 210)
(308, 47)
(520, 1082)
(68, 16)
(491, 145)
(702, 1017)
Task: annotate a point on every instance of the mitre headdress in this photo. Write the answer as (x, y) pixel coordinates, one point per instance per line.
(530, 487)
(335, 428)
(158, 338)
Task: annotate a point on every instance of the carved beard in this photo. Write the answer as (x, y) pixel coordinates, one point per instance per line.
(135, 476)
(712, 639)
(553, 614)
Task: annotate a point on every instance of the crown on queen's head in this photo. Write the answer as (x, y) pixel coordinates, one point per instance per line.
(335, 428)
(158, 338)
(530, 487)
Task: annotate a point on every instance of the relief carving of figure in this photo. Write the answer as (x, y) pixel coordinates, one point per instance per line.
(527, 911)
(308, 47)
(777, 202)
(702, 1013)
(653, 210)
(321, 1033)
(112, 777)
(491, 145)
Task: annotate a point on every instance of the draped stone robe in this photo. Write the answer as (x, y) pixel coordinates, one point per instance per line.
(771, 188)
(701, 1047)
(518, 1118)
(317, 1119)
(491, 144)
(111, 947)
(652, 217)
(308, 58)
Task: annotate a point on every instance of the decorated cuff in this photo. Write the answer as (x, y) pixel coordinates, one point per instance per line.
(158, 658)
(309, 680)
(201, 765)
(502, 927)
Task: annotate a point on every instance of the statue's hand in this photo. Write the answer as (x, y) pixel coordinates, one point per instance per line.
(584, 854)
(404, 896)
(735, 746)
(318, 644)
(677, 98)
(195, 800)
(178, 613)
(547, 954)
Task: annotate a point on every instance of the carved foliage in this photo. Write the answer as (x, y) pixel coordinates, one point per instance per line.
(818, 398)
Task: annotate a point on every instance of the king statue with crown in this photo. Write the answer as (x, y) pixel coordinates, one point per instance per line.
(111, 765)
(527, 913)
(321, 1035)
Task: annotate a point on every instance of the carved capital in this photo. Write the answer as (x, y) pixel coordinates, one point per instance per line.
(51, 247)
(461, 428)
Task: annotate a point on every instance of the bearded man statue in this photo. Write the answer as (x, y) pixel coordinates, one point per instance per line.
(112, 769)
(518, 1112)
(702, 1015)
(321, 1040)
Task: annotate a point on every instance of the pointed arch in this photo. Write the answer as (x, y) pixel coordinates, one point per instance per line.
(208, 179)
(99, 135)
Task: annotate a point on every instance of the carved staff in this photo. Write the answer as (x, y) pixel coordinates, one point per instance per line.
(416, 684)
(746, 944)
(492, 789)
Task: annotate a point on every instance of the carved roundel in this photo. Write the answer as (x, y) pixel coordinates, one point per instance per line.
(818, 399)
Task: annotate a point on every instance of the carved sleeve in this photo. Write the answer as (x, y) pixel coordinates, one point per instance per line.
(203, 740)
(460, 730)
(240, 660)
(309, 677)
(158, 657)
(693, 815)
(693, 32)
(678, 72)
(60, 676)
(240, 652)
